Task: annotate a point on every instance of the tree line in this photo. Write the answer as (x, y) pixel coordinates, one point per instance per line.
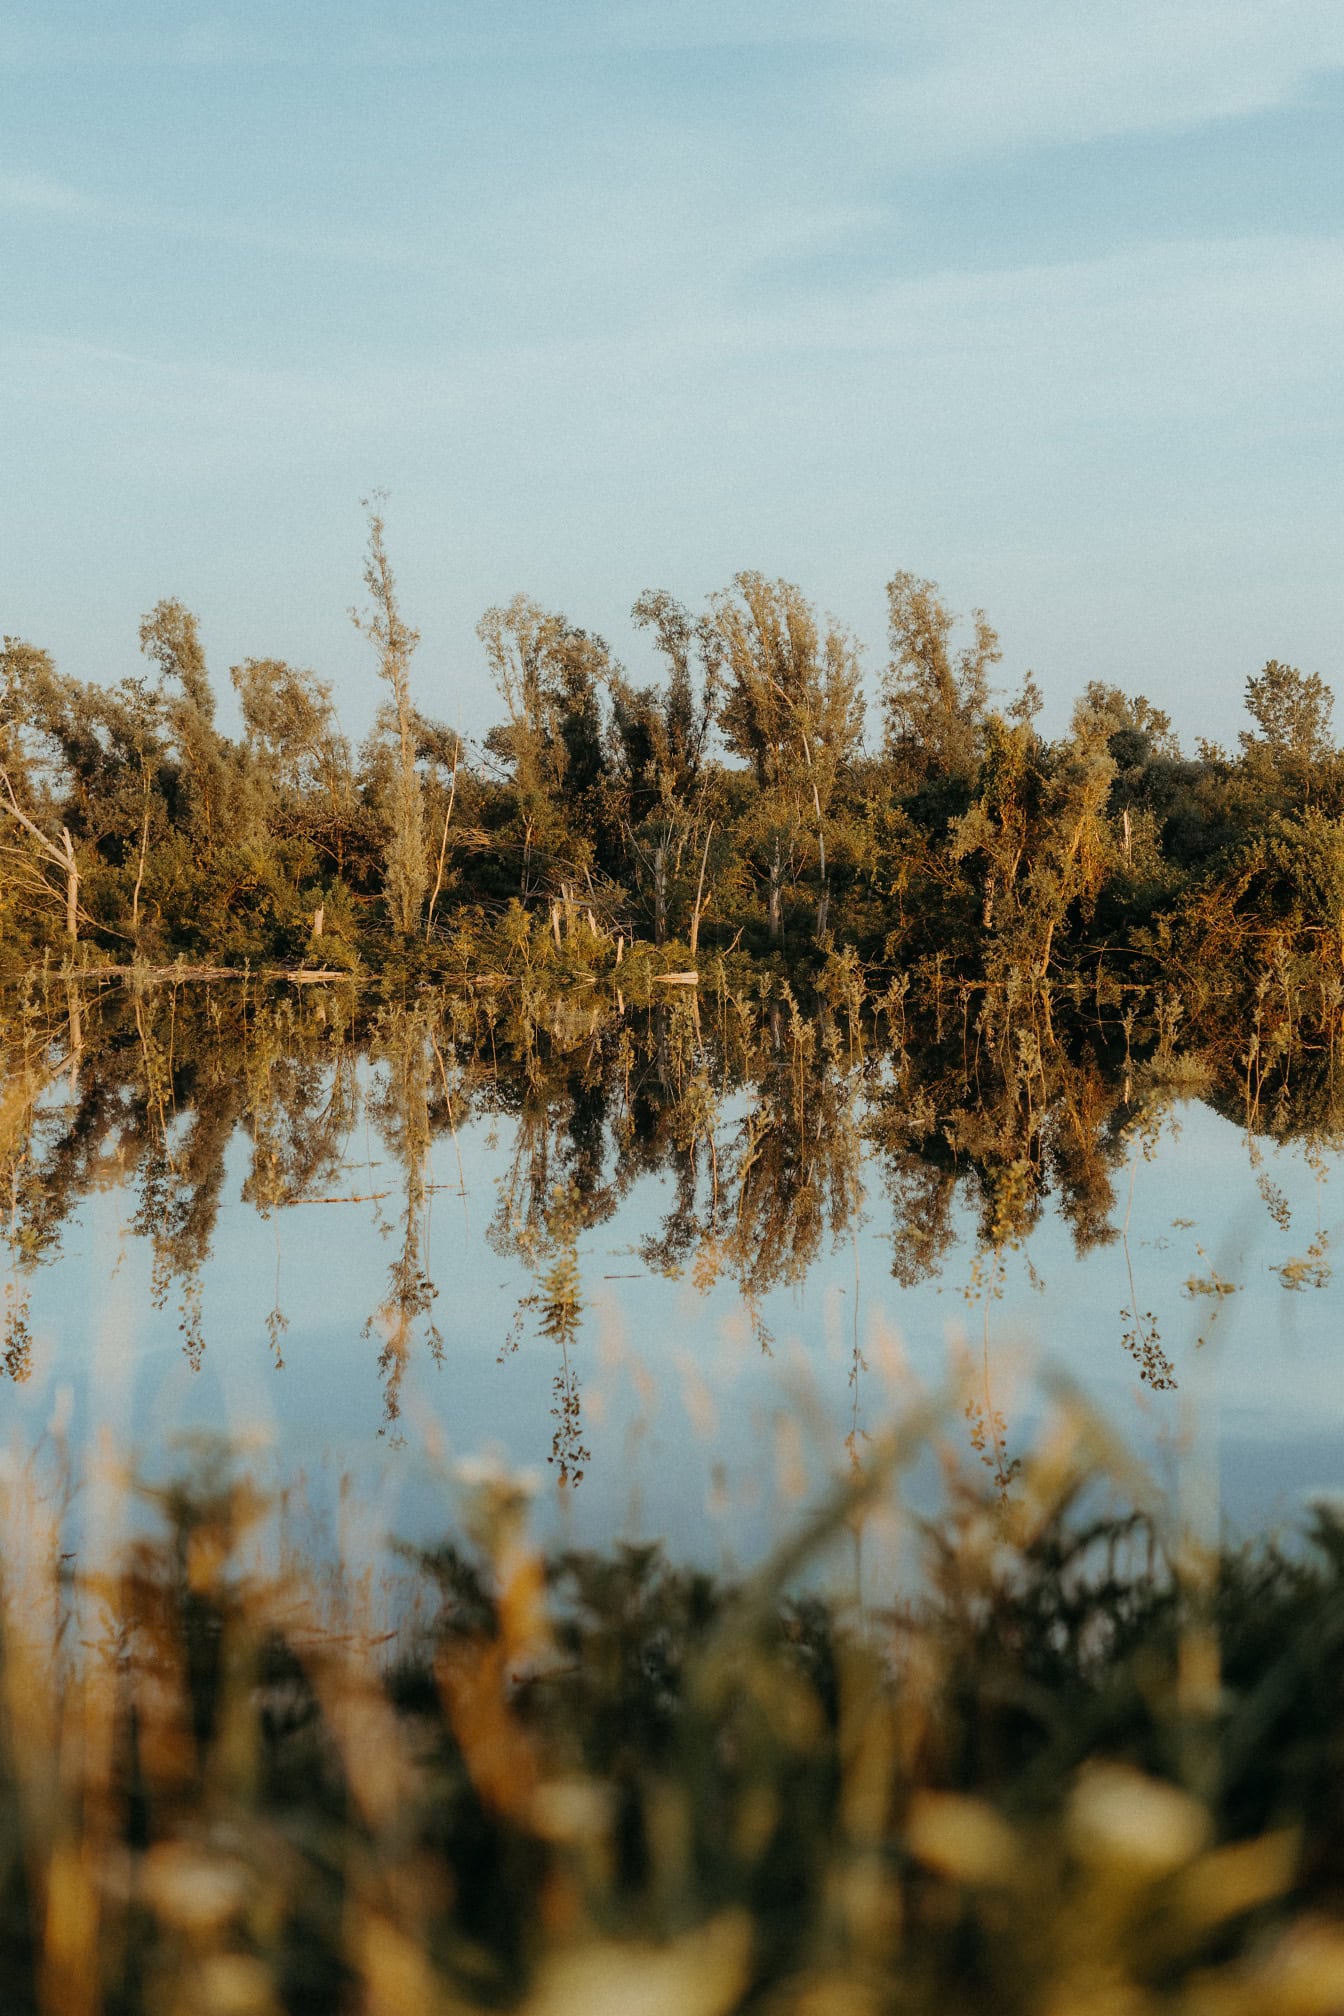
(732, 804)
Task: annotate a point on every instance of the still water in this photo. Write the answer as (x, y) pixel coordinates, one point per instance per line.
(679, 1266)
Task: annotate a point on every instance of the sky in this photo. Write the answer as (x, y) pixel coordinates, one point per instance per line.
(1040, 301)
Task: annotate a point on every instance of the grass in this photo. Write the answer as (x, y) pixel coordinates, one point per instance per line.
(1074, 1764)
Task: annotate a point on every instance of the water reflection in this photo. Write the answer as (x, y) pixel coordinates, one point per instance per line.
(745, 1139)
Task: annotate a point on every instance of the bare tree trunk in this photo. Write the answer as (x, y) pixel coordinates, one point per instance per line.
(443, 849)
(76, 1034)
(71, 887)
(660, 1047)
(1063, 903)
(660, 894)
(698, 911)
(824, 894)
(775, 911)
(140, 871)
(62, 857)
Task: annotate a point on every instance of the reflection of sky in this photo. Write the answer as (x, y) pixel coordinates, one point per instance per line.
(697, 1435)
(1039, 299)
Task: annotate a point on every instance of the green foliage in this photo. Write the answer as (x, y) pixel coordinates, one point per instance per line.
(1292, 712)
(935, 703)
(728, 804)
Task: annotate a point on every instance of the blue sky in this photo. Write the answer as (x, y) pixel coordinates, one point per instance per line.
(614, 296)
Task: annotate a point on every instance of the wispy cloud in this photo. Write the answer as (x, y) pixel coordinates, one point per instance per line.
(409, 32)
(1230, 330)
(35, 194)
(1197, 332)
(995, 74)
(56, 203)
(942, 79)
(616, 285)
(40, 43)
(721, 24)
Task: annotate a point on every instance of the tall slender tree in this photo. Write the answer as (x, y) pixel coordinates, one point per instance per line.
(935, 696)
(405, 856)
(660, 736)
(551, 677)
(794, 709)
(170, 638)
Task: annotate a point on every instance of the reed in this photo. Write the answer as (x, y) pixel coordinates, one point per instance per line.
(1071, 1763)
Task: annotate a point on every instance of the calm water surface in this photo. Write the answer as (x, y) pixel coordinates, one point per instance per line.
(678, 1267)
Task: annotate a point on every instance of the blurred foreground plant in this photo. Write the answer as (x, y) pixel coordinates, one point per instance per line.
(1074, 1766)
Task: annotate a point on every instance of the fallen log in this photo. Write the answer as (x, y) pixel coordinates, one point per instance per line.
(159, 975)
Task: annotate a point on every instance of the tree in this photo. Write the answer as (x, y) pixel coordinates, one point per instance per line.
(1038, 823)
(298, 752)
(62, 858)
(793, 709)
(550, 677)
(1292, 711)
(441, 751)
(170, 638)
(1151, 781)
(52, 764)
(1136, 730)
(660, 735)
(666, 728)
(405, 857)
(935, 700)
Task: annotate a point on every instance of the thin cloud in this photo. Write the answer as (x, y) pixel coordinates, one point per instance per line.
(653, 26)
(410, 35)
(56, 202)
(33, 193)
(204, 45)
(1187, 331)
(1223, 329)
(1001, 74)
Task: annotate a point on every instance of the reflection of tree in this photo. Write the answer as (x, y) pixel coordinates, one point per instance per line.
(665, 1127)
(920, 1179)
(1141, 1338)
(858, 1365)
(791, 1171)
(747, 1119)
(165, 1079)
(759, 1181)
(552, 1247)
(401, 1103)
(988, 1426)
(181, 1183)
(1083, 1149)
(1006, 1124)
(16, 1341)
(554, 1186)
(301, 1111)
(561, 1132)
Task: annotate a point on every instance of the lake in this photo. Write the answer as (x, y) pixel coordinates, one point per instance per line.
(677, 1263)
